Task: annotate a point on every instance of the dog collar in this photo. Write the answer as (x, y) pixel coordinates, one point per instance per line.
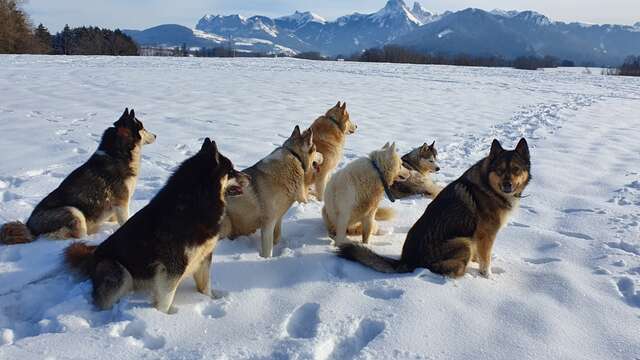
(335, 121)
(384, 183)
(297, 156)
(409, 166)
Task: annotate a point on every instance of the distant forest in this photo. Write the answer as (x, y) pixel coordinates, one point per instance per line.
(18, 36)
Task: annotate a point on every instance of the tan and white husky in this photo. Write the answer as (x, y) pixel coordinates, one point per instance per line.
(329, 135)
(277, 181)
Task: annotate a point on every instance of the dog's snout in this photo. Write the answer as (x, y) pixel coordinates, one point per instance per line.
(507, 186)
(437, 168)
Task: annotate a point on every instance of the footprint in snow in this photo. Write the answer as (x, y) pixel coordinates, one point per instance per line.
(549, 246)
(384, 293)
(541, 261)
(367, 331)
(627, 289)
(303, 322)
(211, 311)
(601, 271)
(573, 211)
(137, 332)
(575, 235)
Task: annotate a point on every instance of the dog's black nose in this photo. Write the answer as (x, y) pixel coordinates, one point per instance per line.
(437, 168)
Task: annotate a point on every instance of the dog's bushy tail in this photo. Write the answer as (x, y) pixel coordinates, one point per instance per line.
(79, 257)
(15, 233)
(365, 256)
(383, 214)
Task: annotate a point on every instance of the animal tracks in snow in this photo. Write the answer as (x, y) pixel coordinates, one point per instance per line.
(211, 310)
(384, 293)
(137, 334)
(366, 331)
(541, 261)
(303, 322)
(627, 289)
(575, 235)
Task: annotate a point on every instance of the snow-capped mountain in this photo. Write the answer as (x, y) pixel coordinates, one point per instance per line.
(299, 19)
(511, 34)
(471, 31)
(423, 15)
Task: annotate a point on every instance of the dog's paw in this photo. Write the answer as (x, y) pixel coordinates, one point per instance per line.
(172, 310)
(219, 294)
(486, 273)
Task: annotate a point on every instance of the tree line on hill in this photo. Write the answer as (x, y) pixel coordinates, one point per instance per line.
(17, 36)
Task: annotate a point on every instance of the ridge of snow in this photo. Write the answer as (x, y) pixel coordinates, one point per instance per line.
(302, 18)
(392, 9)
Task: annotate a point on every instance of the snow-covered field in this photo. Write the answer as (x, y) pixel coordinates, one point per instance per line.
(566, 269)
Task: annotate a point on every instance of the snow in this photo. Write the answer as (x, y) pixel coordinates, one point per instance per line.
(444, 33)
(302, 18)
(566, 268)
(209, 36)
(393, 9)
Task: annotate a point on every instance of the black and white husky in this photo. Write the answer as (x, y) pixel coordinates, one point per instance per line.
(97, 191)
(170, 239)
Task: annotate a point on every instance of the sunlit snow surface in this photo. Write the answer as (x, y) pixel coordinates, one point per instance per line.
(566, 268)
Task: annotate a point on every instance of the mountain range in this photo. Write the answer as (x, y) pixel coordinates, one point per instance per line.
(507, 34)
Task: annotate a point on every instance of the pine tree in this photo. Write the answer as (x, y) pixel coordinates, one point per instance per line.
(43, 40)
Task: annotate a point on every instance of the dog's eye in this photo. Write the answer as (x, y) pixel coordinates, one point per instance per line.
(516, 170)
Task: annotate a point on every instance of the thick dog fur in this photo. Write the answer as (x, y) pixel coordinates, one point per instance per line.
(171, 238)
(329, 134)
(462, 222)
(422, 162)
(97, 191)
(354, 193)
(277, 181)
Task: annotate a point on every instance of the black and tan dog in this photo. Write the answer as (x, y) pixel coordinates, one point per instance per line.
(173, 237)
(422, 162)
(462, 222)
(95, 192)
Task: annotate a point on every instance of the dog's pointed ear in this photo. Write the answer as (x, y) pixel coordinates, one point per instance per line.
(496, 148)
(433, 144)
(307, 136)
(205, 145)
(296, 132)
(523, 149)
(123, 117)
(132, 114)
(392, 148)
(344, 106)
(210, 148)
(337, 105)
(215, 152)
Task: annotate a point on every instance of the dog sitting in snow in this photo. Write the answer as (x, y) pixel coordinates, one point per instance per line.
(329, 135)
(277, 181)
(422, 162)
(97, 191)
(461, 223)
(170, 239)
(354, 193)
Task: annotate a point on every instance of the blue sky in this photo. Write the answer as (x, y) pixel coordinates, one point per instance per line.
(140, 14)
